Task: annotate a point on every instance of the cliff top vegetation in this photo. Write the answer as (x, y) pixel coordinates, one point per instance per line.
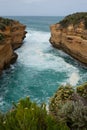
(74, 19)
(5, 22)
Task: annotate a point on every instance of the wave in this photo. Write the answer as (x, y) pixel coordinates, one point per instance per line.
(35, 53)
(74, 78)
(38, 53)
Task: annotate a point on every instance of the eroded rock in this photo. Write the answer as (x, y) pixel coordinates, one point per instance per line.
(12, 34)
(70, 35)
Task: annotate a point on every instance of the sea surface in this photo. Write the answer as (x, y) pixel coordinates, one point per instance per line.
(40, 68)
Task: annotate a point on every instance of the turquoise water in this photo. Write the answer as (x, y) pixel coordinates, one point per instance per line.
(40, 68)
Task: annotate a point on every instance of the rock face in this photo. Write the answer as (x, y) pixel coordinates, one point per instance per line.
(70, 35)
(12, 34)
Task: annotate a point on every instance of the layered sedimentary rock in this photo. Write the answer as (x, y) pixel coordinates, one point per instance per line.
(12, 34)
(70, 35)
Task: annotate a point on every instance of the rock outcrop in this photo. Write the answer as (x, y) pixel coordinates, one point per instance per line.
(70, 35)
(12, 34)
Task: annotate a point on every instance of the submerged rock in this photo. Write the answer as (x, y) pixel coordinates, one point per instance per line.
(70, 35)
(12, 34)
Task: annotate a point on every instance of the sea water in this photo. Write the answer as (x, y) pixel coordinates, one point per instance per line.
(40, 68)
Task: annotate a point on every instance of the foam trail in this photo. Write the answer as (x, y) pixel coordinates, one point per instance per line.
(74, 78)
(37, 48)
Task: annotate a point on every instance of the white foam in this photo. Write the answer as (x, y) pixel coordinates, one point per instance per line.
(74, 78)
(1, 101)
(35, 53)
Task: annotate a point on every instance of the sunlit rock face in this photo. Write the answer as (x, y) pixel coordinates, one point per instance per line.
(12, 34)
(70, 35)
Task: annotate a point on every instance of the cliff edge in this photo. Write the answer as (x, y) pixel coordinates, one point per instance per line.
(12, 34)
(70, 35)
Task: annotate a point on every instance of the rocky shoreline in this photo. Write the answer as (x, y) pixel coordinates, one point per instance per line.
(12, 34)
(70, 35)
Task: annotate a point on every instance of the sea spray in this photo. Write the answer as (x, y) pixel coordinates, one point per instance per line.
(74, 78)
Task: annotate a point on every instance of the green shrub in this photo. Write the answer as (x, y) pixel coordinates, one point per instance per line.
(82, 90)
(74, 19)
(70, 106)
(63, 94)
(28, 116)
(2, 27)
(1, 37)
(74, 114)
(1, 121)
(6, 21)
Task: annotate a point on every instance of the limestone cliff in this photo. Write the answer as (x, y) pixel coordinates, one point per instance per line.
(70, 35)
(12, 34)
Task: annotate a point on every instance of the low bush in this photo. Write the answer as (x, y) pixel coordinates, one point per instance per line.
(63, 94)
(82, 90)
(28, 116)
(1, 37)
(74, 19)
(2, 27)
(6, 21)
(74, 114)
(70, 106)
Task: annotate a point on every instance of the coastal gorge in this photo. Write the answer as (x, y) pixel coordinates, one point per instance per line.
(46, 89)
(12, 34)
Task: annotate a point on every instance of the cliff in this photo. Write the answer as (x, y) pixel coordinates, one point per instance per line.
(70, 35)
(12, 34)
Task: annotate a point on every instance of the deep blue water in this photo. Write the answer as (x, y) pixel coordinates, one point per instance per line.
(40, 68)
